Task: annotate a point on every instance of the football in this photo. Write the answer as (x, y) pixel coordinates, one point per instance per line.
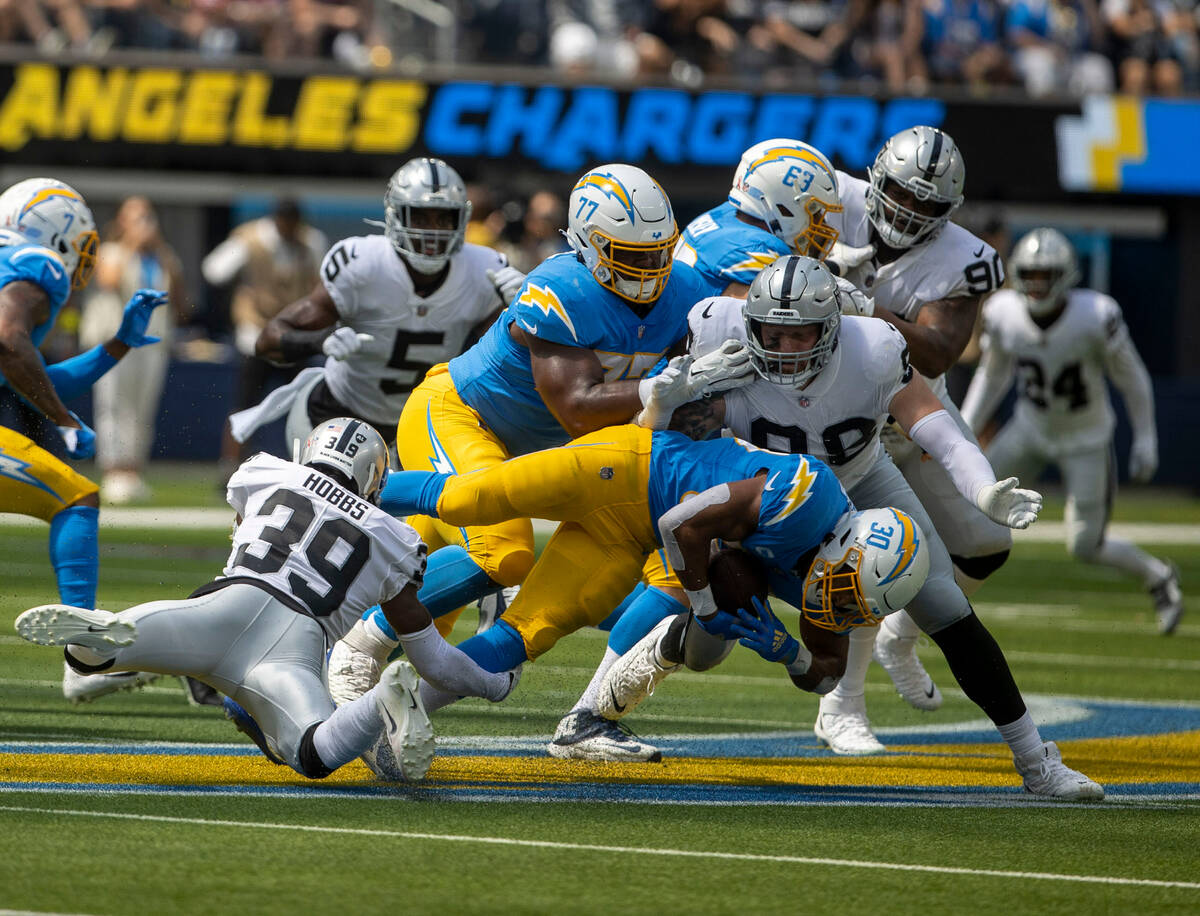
(736, 577)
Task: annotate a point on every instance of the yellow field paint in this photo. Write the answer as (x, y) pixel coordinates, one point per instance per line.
(1172, 758)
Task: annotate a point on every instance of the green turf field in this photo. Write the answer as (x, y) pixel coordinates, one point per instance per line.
(113, 807)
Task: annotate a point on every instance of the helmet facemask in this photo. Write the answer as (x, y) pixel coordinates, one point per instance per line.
(817, 240)
(902, 226)
(427, 235)
(1044, 269)
(833, 595)
(635, 272)
(799, 295)
(784, 367)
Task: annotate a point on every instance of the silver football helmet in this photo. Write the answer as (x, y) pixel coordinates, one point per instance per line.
(52, 214)
(1043, 268)
(792, 292)
(791, 187)
(426, 211)
(352, 448)
(621, 224)
(871, 565)
(925, 163)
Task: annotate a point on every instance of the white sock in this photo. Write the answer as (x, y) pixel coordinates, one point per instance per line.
(1129, 557)
(86, 655)
(435, 699)
(1022, 736)
(591, 694)
(901, 626)
(352, 729)
(858, 659)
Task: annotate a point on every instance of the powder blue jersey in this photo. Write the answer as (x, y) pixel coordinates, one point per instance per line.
(41, 267)
(562, 303)
(802, 499)
(725, 250)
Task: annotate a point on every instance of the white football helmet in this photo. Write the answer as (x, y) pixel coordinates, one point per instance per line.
(790, 186)
(54, 215)
(871, 565)
(925, 162)
(794, 291)
(1044, 268)
(426, 211)
(621, 225)
(352, 448)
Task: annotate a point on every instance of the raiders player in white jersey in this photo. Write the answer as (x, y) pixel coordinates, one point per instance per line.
(311, 551)
(387, 307)
(1063, 343)
(827, 385)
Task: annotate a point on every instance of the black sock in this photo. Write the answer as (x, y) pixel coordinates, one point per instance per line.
(980, 668)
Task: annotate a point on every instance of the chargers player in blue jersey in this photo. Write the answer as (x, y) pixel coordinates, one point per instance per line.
(48, 249)
(567, 356)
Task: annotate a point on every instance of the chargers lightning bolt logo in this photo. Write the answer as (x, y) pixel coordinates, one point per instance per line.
(543, 299)
(799, 490)
(906, 549)
(14, 469)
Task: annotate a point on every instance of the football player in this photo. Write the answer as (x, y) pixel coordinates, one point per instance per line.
(569, 355)
(927, 277)
(1063, 342)
(295, 580)
(47, 250)
(828, 385)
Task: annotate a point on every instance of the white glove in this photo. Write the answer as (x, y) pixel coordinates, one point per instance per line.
(508, 282)
(344, 342)
(728, 366)
(663, 393)
(1005, 504)
(1143, 460)
(844, 258)
(854, 301)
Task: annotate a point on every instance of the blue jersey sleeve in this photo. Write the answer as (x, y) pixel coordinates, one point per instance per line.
(40, 266)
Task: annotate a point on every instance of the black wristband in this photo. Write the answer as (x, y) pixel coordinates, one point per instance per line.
(295, 346)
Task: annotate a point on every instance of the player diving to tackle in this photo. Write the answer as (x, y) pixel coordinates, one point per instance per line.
(311, 551)
(1064, 342)
(48, 249)
(567, 356)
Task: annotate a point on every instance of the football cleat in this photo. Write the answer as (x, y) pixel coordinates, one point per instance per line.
(244, 722)
(406, 724)
(352, 671)
(583, 735)
(1045, 774)
(842, 725)
(493, 605)
(898, 656)
(1168, 601)
(634, 675)
(60, 624)
(83, 688)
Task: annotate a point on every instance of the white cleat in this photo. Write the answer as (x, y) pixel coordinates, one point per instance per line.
(60, 624)
(1045, 774)
(583, 735)
(898, 656)
(493, 606)
(842, 725)
(634, 675)
(1168, 601)
(353, 671)
(83, 688)
(406, 725)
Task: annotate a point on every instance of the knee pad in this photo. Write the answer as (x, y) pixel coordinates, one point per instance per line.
(511, 567)
(310, 761)
(75, 554)
(702, 650)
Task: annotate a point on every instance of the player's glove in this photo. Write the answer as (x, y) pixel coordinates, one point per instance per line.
(344, 342)
(1003, 502)
(844, 258)
(662, 393)
(1143, 460)
(81, 441)
(729, 366)
(853, 301)
(508, 282)
(138, 310)
(763, 632)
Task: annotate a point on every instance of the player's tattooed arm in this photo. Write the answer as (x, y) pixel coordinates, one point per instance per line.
(298, 331)
(23, 306)
(939, 335)
(699, 419)
(571, 383)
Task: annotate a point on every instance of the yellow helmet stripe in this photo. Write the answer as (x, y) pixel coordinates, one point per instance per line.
(790, 152)
(47, 193)
(610, 187)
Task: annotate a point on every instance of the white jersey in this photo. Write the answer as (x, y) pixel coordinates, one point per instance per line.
(315, 546)
(838, 416)
(1062, 397)
(954, 263)
(373, 293)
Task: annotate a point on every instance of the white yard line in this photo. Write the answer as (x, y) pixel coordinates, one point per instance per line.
(621, 850)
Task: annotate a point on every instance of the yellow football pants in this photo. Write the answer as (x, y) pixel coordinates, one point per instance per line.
(596, 486)
(33, 482)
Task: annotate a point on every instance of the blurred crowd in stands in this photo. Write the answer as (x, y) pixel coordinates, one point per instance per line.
(1046, 46)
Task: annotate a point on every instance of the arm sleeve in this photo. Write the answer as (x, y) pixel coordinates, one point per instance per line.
(72, 377)
(1129, 375)
(987, 388)
(939, 435)
(223, 262)
(450, 669)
